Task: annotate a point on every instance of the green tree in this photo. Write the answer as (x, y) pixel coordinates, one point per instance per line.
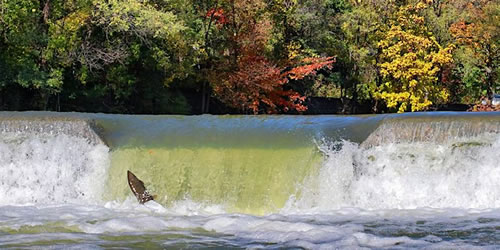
(478, 38)
(362, 28)
(100, 44)
(25, 51)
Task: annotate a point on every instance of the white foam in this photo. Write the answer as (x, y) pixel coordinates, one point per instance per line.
(461, 174)
(360, 198)
(45, 168)
(189, 207)
(277, 229)
(344, 228)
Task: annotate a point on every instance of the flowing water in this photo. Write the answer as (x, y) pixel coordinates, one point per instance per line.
(425, 180)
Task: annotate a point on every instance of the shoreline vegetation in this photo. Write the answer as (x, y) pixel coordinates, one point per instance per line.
(249, 56)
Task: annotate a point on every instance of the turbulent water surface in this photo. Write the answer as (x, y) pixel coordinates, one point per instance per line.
(426, 180)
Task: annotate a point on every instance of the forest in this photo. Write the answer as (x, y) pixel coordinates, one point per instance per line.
(247, 56)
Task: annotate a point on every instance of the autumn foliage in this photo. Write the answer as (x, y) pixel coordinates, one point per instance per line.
(259, 85)
(248, 56)
(410, 62)
(480, 37)
(217, 15)
(484, 108)
(254, 83)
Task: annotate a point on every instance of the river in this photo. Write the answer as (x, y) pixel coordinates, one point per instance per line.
(395, 181)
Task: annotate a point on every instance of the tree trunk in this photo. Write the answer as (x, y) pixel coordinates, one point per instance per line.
(490, 79)
(205, 98)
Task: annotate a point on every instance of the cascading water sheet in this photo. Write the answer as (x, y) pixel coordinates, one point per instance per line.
(454, 174)
(427, 180)
(47, 169)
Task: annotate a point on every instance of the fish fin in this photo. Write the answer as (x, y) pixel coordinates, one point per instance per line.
(138, 188)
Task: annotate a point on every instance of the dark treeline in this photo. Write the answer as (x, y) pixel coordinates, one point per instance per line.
(247, 56)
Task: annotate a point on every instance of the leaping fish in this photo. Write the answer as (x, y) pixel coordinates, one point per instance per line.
(137, 187)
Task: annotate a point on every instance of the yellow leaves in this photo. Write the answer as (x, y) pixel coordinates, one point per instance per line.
(423, 5)
(383, 44)
(444, 56)
(294, 50)
(286, 5)
(74, 21)
(403, 107)
(413, 83)
(393, 99)
(410, 62)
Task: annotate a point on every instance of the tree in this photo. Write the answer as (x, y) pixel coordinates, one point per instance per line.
(303, 29)
(248, 80)
(25, 49)
(96, 43)
(262, 56)
(478, 36)
(410, 61)
(362, 28)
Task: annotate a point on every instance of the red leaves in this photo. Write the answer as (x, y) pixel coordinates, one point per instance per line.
(310, 66)
(259, 86)
(218, 15)
(245, 78)
(253, 83)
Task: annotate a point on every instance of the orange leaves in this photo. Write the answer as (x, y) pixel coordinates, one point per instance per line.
(218, 15)
(463, 32)
(248, 86)
(478, 35)
(248, 80)
(480, 28)
(257, 86)
(310, 66)
(260, 86)
(475, 35)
